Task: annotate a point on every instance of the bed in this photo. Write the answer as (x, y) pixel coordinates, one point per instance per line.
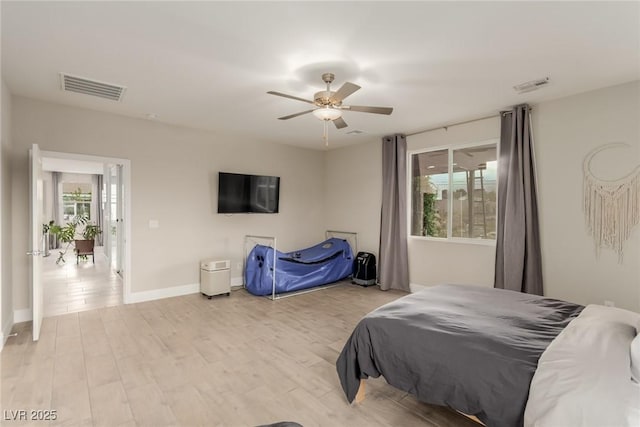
(471, 348)
(324, 263)
(476, 350)
(583, 377)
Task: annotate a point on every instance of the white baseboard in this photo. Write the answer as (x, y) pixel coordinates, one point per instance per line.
(236, 282)
(155, 294)
(24, 315)
(414, 287)
(4, 334)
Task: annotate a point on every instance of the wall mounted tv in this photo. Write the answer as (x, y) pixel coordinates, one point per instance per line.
(238, 193)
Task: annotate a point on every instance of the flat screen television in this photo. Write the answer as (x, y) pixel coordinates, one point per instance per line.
(238, 193)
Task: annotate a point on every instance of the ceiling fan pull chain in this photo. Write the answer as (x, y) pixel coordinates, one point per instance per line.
(325, 134)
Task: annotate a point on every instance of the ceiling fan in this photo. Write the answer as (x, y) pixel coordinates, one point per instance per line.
(328, 103)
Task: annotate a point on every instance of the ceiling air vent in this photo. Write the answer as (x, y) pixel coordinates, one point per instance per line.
(86, 86)
(532, 85)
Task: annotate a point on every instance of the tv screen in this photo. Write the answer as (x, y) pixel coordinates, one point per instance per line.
(238, 193)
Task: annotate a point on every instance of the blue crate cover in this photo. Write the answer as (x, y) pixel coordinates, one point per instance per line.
(324, 263)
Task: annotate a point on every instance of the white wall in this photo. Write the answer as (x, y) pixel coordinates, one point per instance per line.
(353, 198)
(6, 296)
(564, 131)
(174, 181)
(174, 172)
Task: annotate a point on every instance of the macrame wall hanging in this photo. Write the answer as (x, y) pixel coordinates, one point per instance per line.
(611, 207)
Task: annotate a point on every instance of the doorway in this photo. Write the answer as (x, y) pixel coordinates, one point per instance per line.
(100, 190)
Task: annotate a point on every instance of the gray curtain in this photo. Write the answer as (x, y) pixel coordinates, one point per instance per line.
(55, 209)
(394, 261)
(518, 255)
(99, 183)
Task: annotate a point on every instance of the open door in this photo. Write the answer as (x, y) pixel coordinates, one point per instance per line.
(114, 217)
(36, 242)
(120, 221)
(106, 229)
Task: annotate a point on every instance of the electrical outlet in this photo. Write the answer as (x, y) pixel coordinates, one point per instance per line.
(608, 303)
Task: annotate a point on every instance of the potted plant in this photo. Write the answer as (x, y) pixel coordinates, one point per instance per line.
(67, 234)
(45, 237)
(84, 246)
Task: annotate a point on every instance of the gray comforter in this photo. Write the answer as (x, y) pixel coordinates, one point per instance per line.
(471, 348)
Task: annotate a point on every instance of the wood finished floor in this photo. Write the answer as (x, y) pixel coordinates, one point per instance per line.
(189, 361)
(70, 287)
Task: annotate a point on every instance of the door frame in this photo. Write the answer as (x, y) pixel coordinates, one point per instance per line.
(115, 264)
(36, 238)
(126, 230)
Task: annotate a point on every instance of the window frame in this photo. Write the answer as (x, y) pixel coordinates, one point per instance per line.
(74, 202)
(450, 149)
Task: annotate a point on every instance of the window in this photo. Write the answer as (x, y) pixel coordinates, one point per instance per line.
(453, 192)
(76, 203)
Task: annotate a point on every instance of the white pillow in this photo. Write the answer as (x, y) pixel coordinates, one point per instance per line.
(635, 356)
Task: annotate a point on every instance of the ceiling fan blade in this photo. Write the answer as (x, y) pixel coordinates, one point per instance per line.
(291, 116)
(290, 97)
(363, 109)
(346, 90)
(340, 123)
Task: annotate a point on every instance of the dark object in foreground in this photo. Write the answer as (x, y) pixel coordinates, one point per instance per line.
(282, 424)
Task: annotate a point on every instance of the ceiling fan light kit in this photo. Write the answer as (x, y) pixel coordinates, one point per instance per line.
(329, 104)
(327, 113)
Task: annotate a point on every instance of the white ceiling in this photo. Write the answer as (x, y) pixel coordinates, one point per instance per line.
(208, 65)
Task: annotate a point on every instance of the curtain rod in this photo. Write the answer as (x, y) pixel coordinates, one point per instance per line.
(445, 127)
